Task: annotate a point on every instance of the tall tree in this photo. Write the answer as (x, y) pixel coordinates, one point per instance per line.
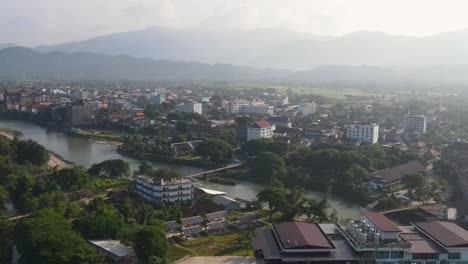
(267, 166)
(217, 150)
(47, 238)
(151, 244)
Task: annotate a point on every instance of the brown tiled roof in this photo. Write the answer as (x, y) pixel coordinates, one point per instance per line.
(398, 172)
(261, 124)
(446, 233)
(382, 222)
(296, 235)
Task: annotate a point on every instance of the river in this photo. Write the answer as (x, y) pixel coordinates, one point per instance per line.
(86, 152)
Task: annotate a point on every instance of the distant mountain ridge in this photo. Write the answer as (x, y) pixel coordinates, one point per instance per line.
(282, 49)
(20, 63)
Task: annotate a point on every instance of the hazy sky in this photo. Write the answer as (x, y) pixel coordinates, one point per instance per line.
(33, 22)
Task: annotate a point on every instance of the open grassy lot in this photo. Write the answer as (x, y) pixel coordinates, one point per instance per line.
(218, 245)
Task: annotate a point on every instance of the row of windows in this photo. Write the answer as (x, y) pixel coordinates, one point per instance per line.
(387, 254)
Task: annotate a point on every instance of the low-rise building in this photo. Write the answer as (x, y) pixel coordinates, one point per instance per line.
(280, 121)
(159, 190)
(260, 129)
(392, 177)
(114, 251)
(371, 239)
(257, 109)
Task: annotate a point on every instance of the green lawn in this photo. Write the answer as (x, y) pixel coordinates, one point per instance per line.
(219, 245)
(176, 252)
(101, 184)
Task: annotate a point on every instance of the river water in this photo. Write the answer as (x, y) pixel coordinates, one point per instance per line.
(86, 152)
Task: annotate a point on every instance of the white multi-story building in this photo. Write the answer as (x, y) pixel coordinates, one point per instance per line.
(159, 99)
(190, 108)
(258, 109)
(158, 190)
(307, 108)
(415, 123)
(236, 105)
(366, 132)
(260, 129)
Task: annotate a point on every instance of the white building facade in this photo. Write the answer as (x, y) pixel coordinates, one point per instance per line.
(307, 108)
(157, 191)
(260, 129)
(258, 109)
(190, 108)
(366, 132)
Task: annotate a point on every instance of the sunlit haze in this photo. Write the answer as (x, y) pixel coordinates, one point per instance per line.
(32, 22)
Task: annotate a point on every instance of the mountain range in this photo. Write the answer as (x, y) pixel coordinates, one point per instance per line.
(278, 48)
(21, 63)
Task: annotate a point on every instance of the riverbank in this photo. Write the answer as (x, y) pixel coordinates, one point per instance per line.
(55, 161)
(192, 161)
(97, 136)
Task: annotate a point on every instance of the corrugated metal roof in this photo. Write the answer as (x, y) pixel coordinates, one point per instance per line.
(296, 235)
(446, 233)
(382, 222)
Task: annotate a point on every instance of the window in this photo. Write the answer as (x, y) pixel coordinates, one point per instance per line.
(381, 255)
(397, 254)
(454, 255)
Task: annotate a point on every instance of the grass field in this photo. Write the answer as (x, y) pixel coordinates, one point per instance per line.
(219, 245)
(338, 94)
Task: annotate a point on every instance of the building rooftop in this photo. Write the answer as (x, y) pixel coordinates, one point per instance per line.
(261, 124)
(447, 234)
(382, 222)
(160, 181)
(114, 247)
(396, 173)
(296, 235)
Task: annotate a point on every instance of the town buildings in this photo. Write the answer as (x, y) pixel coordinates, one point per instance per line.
(190, 108)
(372, 238)
(17, 99)
(414, 123)
(158, 190)
(260, 129)
(364, 132)
(257, 109)
(457, 153)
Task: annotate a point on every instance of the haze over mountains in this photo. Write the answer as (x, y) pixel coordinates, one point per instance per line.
(19, 63)
(282, 49)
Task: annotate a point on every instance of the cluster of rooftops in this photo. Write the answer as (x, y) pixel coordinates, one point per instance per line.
(372, 237)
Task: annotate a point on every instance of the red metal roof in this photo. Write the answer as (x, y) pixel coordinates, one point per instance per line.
(296, 235)
(425, 247)
(382, 222)
(446, 233)
(261, 124)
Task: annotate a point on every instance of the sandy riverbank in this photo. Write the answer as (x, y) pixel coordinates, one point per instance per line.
(54, 162)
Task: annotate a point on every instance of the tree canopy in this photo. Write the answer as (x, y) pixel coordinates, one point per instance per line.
(114, 168)
(151, 243)
(217, 150)
(46, 237)
(267, 166)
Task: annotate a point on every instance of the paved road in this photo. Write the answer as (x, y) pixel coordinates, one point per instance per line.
(218, 260)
